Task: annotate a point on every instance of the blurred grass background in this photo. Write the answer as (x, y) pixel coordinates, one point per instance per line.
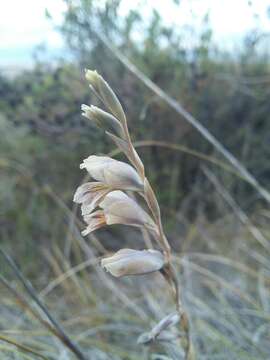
(217, 223)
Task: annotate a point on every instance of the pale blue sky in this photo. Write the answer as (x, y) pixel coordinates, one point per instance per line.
(23, 24)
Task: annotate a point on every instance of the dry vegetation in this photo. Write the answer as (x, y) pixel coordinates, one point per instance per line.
(227, 300)
(226, 297)
(211, 185)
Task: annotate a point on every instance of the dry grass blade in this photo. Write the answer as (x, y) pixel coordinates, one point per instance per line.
(237, 210)
(31, 292)
(187, 116)
(225, 284)
(225, 261)
(22, 347)
(69, 273)
(184, 149)
(24, 304)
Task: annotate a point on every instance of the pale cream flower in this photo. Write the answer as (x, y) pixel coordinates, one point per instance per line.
(94, 221)
(119, 208)
(115, 174)
(111, 175)
(116, 208)
(89, 195)
(133, 262)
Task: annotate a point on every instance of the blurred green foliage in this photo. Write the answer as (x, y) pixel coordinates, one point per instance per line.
(44, 138)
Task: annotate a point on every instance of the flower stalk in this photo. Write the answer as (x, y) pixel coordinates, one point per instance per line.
(107, 193)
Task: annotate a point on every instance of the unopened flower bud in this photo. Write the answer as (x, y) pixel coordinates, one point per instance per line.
(159, 331)
(165, 336)
(102, 119)
(167, 321)
(106, 93)
(92, 76)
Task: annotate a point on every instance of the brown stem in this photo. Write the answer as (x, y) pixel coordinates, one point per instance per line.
(169, 274)
(132, 150)
(168, 271)
(184, 322)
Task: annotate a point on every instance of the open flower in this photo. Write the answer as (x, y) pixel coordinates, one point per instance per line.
(94, 221)
(133, 262)
(113, 173)
(89, 195)
(110, 174)
(118, 208)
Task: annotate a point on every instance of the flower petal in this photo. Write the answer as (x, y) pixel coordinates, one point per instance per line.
(93, 201)
(87, 188)
(89, 195)
(121, 209)
(113, 173)
(95, 221)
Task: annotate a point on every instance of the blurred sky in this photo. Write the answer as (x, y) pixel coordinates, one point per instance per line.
(23, 24)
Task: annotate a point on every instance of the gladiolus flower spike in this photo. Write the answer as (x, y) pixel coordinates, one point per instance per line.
(104, 202)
